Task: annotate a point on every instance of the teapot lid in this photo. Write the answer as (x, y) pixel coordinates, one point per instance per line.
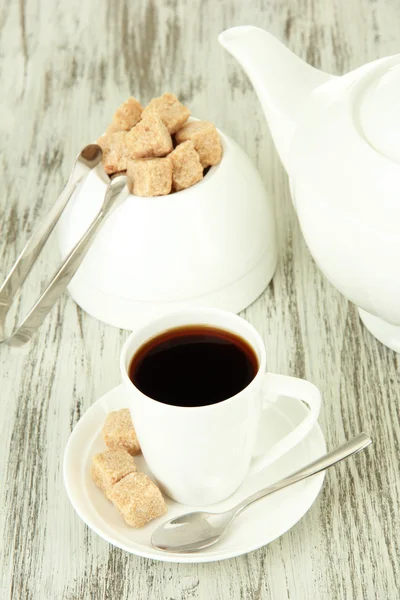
(380, 113)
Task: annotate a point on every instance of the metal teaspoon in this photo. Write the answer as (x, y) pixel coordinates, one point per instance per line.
(198, 530)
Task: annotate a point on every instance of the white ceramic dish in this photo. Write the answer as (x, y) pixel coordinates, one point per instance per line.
(259, 525)
(211, 245)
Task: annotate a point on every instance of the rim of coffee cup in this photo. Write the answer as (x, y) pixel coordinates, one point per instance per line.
(127, 354)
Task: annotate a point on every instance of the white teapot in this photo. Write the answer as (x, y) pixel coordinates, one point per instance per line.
(339, 141)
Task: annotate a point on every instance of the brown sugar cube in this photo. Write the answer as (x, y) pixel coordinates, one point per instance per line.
(205, 139)
(150, 176)
(119, 432)
(127, 115)
(104, 141)
(112, 129)
(149, 138)
(172, 112)
(111, 466)
(115, 154)
(186, 166)
(138, 499)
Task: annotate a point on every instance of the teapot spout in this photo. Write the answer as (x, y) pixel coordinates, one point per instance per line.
(281, 80)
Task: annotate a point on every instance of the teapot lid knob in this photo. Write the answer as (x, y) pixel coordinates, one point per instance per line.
(380, 113)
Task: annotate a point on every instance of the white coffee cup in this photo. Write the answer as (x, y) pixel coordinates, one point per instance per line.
(200, 455)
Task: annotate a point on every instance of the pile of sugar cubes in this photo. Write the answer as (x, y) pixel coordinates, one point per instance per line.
(160, 152)
(114, 471)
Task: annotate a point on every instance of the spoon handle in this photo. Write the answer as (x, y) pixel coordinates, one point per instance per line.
(347, 449)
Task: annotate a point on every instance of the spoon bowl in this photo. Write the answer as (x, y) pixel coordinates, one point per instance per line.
(192, 531)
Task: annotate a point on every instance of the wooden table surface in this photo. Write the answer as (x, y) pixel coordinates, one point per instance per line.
(64, 67)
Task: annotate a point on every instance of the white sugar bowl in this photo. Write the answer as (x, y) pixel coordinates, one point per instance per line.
(213, 244)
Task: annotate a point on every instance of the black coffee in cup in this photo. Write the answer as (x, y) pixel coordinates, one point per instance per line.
(194, 365)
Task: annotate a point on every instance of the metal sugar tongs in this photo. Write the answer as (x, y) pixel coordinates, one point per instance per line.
(116, 192)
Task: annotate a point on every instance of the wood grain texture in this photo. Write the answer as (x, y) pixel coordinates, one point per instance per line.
(64, 66)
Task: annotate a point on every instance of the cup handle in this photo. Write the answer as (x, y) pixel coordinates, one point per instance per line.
(300, 389)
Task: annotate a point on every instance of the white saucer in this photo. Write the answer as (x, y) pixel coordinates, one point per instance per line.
(259, 525)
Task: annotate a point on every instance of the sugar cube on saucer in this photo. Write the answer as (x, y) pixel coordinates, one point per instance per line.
(110, 467)
(118, 432)
(138, 499)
